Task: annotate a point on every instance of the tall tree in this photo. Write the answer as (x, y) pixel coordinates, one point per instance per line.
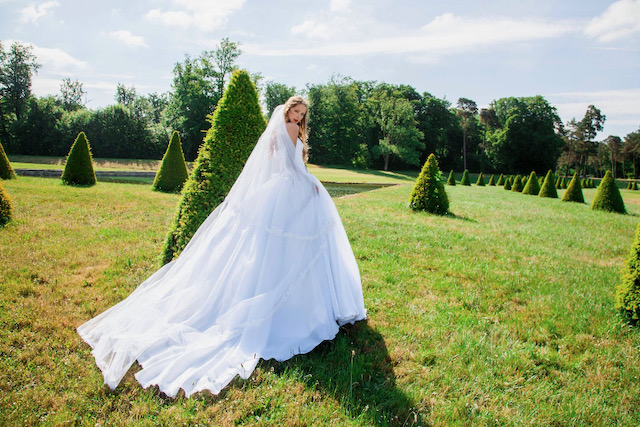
(276, 94)
(401, 136)
(467, 109)
(16, 70)
(631, 148)
(71, 93)
(614, 144)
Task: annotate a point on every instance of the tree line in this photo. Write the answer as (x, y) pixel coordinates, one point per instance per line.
(352, 123)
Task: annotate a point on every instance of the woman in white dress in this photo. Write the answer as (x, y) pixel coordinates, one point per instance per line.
(269, 274)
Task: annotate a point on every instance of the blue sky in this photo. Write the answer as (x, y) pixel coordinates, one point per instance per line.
(574, 53)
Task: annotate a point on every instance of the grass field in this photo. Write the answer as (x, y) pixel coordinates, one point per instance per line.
(499, 314)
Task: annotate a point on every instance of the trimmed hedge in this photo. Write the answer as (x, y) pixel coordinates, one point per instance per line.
(533, 185)
(500, 180)
(6, 171)
(173, 171)
(628, 290)
(78, 170)
(428, 193)
(236, 125)
(574, 191)
(6, 206)
(480, 181)
(517, 184)
(608, 196)
(452, 178)
(465, 178)
(548, 188)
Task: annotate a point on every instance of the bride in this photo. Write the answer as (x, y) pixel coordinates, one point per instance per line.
(269, 274)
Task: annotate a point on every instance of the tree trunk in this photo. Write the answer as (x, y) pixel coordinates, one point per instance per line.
(464, 146)
(386, 162)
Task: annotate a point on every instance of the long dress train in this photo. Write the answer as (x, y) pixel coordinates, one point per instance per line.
(269, 274)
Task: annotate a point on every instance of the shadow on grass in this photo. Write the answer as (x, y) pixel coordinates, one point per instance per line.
(356, 369)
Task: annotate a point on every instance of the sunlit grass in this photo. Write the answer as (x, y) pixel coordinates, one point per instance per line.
(501, 313)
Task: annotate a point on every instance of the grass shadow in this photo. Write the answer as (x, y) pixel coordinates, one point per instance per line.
(356, 369)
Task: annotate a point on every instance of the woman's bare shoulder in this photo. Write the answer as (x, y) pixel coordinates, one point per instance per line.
(292, 129)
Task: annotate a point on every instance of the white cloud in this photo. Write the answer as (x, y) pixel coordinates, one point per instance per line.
(205, 15)
(125, 37)
(620, 20)
(32, 12)
(444, 35)
(339, 5)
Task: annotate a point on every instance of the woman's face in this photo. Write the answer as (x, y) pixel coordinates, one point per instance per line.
(297, 113)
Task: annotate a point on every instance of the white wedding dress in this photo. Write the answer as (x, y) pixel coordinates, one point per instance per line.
(269, 274)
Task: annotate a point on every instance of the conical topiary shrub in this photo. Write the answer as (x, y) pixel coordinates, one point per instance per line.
(500, 180)
(634, 186)
(628, 291)
(236, 125)
(428, 194)
(492, 181)
(574, 191)
(533, 185)
(173, 171)
(452, 178)
(629, 185)
(608, 196)
(78, 170)
(559, 183)
(517, 184)
(548, 187)
(565, 182)
(465, 178)
(507, 184)
(6, 206)
(480, 180)
(523, 180)
(6, 171)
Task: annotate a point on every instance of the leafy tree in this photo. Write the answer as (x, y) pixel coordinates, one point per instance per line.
(465, 178)
(276, 94)
(608, 196)
(480, 181)
(71, 93)
(517, 184)
(492, 181)
(579, 139)
(428, 193)
(16, 70)
(628, 290)
(6, 206)
(440, 128)
(78, 170)
(39, 131)
(236, 125)
(173, 171)
(548, 186)
(631, 148)
(533, 185)
(6, 171)
(467, 109)
(573, 192)
(452, 178)
(614, 144)
(401, 137)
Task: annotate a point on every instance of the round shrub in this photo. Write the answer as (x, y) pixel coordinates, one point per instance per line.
(492, 180)
(6, 206)
(517, 184)
(500, 180)
(480, 180)
(548, 188)
(428, 193)
(608, 196)
(173, 171)
(533, 185)
(452, 178)
(465, 178)
(628, 290)
(574, 191)
(78, 170)
(236, 125)
(6, 171)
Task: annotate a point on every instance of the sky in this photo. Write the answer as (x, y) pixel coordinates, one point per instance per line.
(572, 52)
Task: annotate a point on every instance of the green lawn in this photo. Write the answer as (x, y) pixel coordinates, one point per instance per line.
(499, 314)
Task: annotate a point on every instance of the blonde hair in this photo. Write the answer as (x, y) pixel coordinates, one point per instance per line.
(302, 126)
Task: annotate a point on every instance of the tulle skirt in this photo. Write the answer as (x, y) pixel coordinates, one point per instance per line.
(269, 279)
